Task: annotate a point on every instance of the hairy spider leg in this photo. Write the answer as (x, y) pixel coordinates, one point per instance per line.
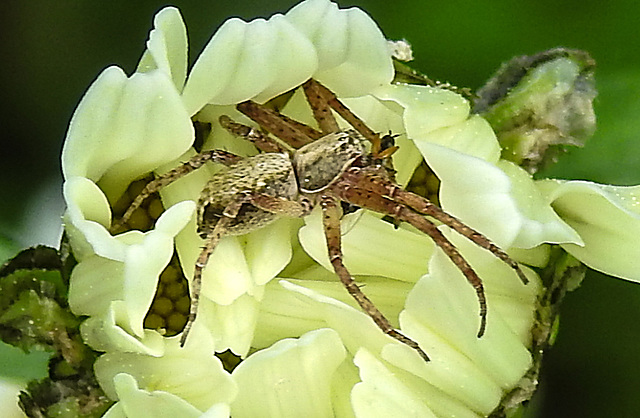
(260, 200)
(320, 108)
(261, 141)
(372, 180)
(321, 100)
(293, 133)
(425, 207)
(211, 242)
(331, 221)
(347, 189)
(320, 96)
(195, 162)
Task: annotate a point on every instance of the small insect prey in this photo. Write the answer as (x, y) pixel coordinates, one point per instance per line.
(307, 167)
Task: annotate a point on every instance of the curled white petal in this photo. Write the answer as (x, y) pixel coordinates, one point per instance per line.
(291, 378)
(125, 127)
(120, 291)
(352, 51)
(425, 108)
(475, 191)
(263, 58)
(134, 402)
(500, 200)
(381, 393)
(540, 223)
(473, 137)
(442, 316)
(607, 218)
(284, 314)
(88, 214)
(191, 373)
(244, 60)
(103, 332)
(268, 250)
(167, 47)
(231, 326)
(144, 262)
(356, 329)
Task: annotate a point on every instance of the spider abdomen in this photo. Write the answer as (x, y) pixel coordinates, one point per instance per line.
(269, 174)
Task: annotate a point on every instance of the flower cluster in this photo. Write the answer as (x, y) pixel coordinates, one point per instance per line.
(270, 296)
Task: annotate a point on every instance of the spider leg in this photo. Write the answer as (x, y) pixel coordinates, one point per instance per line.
(375, 183)
(292, 208)
(169, 177)
(253, 135)
(429, 228)
(211, 241)
(383, 204)
(292, 133)
(306, 129)
(320, 108)
(331, 222)
(425, 207)
(266, 202)
(317, 93)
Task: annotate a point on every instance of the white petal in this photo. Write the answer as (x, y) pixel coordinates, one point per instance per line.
(227, 275)
(607, 218)
(144, 263)
(231, 326)
(284, 314)
(290, 379)
(352, 51)
(167, 47)
(475, 191)
(143, 258)
(389, 295)
(244, 60)
(448, 122)
(451, 383)
(134, 402)
(447, 307)
(118, 293)
(540, 223)
(425, 108)
(102, 332)
(268, 250)
(356, 329)
(88, 215)
(370, 246)
(125, 127)
(95, 282)
(191, 373)
(219, 410)
(473, 137)
(381, 393)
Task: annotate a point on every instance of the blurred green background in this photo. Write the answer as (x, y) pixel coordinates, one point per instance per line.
(52, 51)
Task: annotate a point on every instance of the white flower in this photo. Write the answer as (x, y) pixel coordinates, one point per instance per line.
(319, 354)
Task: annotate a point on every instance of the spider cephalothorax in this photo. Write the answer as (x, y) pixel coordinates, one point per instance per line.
(305, 168)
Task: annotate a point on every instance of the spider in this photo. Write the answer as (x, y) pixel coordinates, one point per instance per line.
(304, 168)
